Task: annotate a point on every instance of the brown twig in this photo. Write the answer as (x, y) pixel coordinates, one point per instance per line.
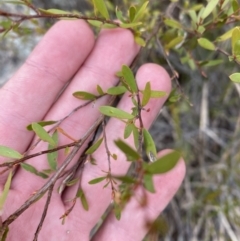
(109, 159)
(30, 5)
(44, 212)
(14, 163)
(23, 17)
(52, 179)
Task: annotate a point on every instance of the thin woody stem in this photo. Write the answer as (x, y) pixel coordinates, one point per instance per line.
(52, 179)
(23, 17)
(44, 212)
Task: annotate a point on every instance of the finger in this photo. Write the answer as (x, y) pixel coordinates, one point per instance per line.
(99, 198)
(135, 219)
(113, 48)
(32, 90)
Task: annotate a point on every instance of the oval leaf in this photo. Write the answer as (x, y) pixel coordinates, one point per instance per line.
(115, 112)
(157, 94)
(235, 77)
(101, 8)
(132, 13)
(173, 23)
(9, 152)
(41, 123)
(140, 12)
(81, 195)
(97, 180)
(209, 8)
(149, 145)
(235, 39)
(94, 147)
(163, 164)
(128, 130)
(148, 182)
(5, 191)
(52, 156)
(118, 90)
(52, 11)
(129, 78)
(146, 94)
(130, 153)
(206, 44)
(82, 95)
(100, 90)
(33, 170)
(42, 134)
(136, 136)
(130, 25)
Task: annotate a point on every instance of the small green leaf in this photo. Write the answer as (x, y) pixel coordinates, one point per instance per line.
(130, 153)
(209, 8)
(173, 23)
(129, 78)
(146, 94)
(158, 94)
(174, 42)
(235, 5)
(114, 156)
(193, 15)
(130, 25)
(136, 137)
(115, 112)
(140, 41)
(211, 62)
(149, 145)
(100, 90)
(140, 12)
(42, 175)
(9, 152)
(132, 13)
(52, 11)
(119, 15)
(128, 130)
(41, 123)
(163, 164)
(226, 35)
(42, 134)
(97, 180)
(126, 179)
(72, 182)
(100, 6)
(47, 171)
(117, 211)
(94, 147)
(206, 44)
(118, 90)
(236, 49)
(29, 168)
(33, 170)
(148, 182)
(5, 191)
(95, 23)
(52, 156)
(82, 95)
(235, 40)
(235, 77)
(81, 195)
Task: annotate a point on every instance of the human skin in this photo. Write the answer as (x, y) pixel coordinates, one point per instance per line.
(69, 51)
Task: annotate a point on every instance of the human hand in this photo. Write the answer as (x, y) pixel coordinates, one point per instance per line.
(69, 51)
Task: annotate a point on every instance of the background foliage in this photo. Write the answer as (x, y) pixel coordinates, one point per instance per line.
(202, 116)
